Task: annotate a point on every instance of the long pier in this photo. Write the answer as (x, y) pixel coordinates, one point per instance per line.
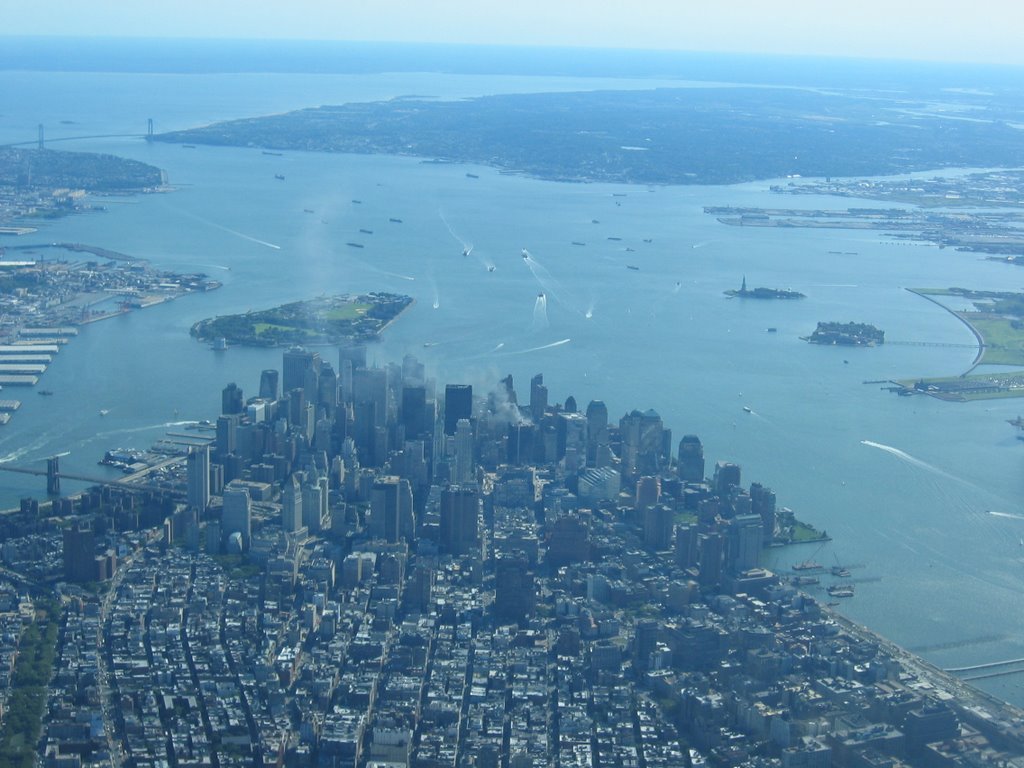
(989, 665)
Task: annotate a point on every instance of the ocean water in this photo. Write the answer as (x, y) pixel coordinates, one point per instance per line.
(905, 486)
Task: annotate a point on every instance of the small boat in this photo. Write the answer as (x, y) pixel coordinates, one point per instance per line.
(104, 411)
(308, 210)
(541, 295)
(747, 409)
(772, 330)
(618, 194)
(491, 268)
(366, 231)
(577, 242)
(648, 240)
(279, 177)
(806, 565)
(841, 572)
(357, 202)
(45, 392)
(354, 245)
(630, 266)
(615, 238)
(429, 343)
(465, 251)
(525, 254)
(273, 154)
(840, 590)
(395, 221)
(188, 146)
(472, 176)
(594, 221)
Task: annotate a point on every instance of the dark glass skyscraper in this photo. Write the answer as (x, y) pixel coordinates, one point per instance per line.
(458, 404)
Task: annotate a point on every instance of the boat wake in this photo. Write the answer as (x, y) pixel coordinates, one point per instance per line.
(544, 346)
(222, 228)
(913, 460)
(1009, 515)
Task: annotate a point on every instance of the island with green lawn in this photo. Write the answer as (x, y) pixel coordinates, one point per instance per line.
(323, 320)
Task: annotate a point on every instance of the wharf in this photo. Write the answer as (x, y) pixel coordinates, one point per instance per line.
(44, 359)
(9, 405)
(33, 368)
(18, 380)
(29, 346)
(42, 333)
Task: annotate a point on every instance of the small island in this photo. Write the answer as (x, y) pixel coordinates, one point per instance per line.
(847, 334)
(762, 293)
(324, 320)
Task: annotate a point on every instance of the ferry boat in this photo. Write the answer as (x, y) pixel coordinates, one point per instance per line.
(840, 590)
(45, 392)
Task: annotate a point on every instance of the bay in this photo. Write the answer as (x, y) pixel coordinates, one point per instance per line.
(905, 486)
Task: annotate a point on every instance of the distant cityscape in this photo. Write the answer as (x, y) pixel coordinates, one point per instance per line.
(360, 567)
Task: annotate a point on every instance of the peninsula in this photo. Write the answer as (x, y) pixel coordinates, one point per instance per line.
(47, 183)
(324, 320)
(659, 136)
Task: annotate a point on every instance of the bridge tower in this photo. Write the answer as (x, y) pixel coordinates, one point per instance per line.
(149, 127)
(40, 135)
(53, 476)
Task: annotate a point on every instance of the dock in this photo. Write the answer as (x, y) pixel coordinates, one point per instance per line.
(6, 406)
(29, 346)
(18, 380)
(33, 368)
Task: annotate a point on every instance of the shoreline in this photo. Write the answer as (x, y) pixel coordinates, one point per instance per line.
(977, 334)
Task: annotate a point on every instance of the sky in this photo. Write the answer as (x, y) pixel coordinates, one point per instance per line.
(984, 31)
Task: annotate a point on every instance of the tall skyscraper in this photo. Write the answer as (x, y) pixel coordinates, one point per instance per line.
(691, 459)
(642, 443)
(297, 362)
(597, 429)
(465, 465)
(384, 509)
(269, 381)
(291, 505)
(459, 529)
(197, 467)
(458, 404)
(538, 397)
(231, 400)
(237, 516)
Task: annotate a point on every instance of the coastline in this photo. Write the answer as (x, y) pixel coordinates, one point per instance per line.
(977, 334)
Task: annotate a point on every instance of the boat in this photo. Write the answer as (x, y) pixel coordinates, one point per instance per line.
(594, 221)
(308, 210)
(807, 565)
(525, 254)
(465, 251)
(395, 221)
(357, 202)
(648, 240)
(472, 176)
(618, 194)
(577, 242)
(188, 146)
(801, 581)
(747, 409)
(430, 343)
(630, 266)
(274, 154)
(616, 239)
(773, 330)
(630, 250)
(45, 392)
(220, 344)
(354, 245)
(279, 177)
(104, 411)
(841, 572)
(491, 268)
(366, 231)
(541, 295)
(840, 590)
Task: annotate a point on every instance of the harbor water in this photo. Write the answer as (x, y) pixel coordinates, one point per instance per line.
(922, 496)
